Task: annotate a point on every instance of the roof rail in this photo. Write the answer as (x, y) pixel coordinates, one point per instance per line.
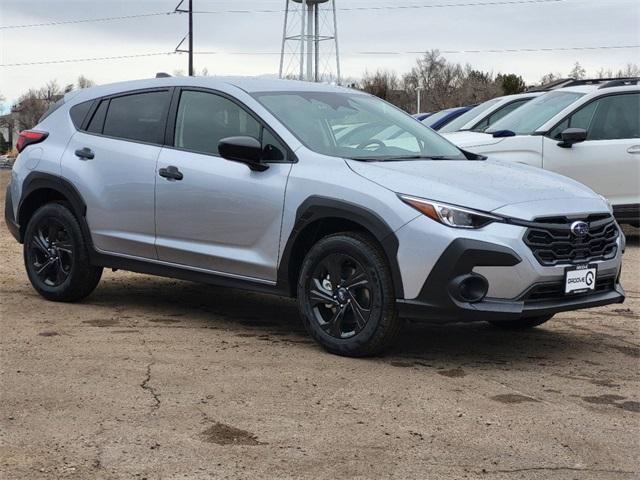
(572, 82)
(620, 82)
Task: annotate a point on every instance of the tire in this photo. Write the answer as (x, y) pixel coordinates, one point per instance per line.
(357, 317)
(522, 323)
(56, 255)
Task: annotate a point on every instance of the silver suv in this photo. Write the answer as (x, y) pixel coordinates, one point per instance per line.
(259, 184)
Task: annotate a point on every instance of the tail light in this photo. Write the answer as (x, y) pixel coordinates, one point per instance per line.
(29, 137)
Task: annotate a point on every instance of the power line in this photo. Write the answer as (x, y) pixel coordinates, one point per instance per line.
(85, 20)
(277, 10)
(396, 7)
(155, 54)
(90, 59)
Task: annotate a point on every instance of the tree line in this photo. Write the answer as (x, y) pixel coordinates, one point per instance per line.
(443, 84)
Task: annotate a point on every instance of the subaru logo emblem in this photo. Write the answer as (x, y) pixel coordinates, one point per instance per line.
(580, 229)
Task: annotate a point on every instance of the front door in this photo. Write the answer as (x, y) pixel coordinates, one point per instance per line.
(609, 160)
(214, 214)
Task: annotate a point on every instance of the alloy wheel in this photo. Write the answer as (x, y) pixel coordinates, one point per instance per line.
(340, 294)
(51, 252)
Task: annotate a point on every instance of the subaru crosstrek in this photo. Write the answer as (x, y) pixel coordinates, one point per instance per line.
(245, 183)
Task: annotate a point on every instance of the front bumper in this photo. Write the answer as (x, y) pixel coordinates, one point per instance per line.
(9, 218)
(436, 302)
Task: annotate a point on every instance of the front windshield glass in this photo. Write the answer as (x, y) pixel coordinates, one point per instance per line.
(436, 117)
(354, 125)
(528, 118)
(466, 117)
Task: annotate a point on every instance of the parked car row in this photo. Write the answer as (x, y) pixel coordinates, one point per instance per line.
(316, 192)
(587, 130)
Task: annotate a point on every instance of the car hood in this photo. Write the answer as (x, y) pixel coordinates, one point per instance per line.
(481, 184)
(471, 139)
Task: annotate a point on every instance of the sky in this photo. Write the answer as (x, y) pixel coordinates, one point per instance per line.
(257, 35)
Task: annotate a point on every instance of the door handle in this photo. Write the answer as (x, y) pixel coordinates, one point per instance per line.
(635, 149)
(171, 173)
(85, 154)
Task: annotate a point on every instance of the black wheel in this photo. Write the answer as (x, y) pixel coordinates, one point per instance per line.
(346, 296)
(522, 323)
(56, 256)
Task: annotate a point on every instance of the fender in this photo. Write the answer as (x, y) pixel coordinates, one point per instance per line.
(317, 208)
(37, 181)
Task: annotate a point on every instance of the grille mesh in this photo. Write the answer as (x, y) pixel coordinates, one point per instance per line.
(553, 243)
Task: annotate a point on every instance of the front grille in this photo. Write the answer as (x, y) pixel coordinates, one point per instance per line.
(553, 291)
(552, 242)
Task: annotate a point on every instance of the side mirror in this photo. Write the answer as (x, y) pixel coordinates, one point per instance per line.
(246, 150)
(571, 136)
(503, 134)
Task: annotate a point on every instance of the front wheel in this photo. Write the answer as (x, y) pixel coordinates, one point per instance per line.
(56, 255)
(346, 296)
(522, 323)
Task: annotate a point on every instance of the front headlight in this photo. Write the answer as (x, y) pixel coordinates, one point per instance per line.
(450, 215)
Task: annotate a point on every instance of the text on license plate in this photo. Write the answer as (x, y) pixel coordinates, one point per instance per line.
(580, 279)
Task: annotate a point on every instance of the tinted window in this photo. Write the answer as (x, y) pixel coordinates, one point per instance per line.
(616, 117)
(498, 114)
(97, 121)
(78, 112)
(205, 118)
(581, 119)
(272, 148)
(139, 117)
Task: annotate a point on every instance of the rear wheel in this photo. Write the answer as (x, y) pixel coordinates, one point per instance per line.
(56, 255)
(346, 296)
(522, 323)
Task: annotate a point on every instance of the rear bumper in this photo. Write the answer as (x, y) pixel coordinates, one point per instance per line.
(9, 219)
(437, 303)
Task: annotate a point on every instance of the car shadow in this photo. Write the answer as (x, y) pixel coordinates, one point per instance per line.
(176, 304)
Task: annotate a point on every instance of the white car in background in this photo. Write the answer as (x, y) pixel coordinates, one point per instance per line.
(482, 116)
(590, 133)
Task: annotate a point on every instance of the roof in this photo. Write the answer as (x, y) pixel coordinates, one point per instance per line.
(248, 84)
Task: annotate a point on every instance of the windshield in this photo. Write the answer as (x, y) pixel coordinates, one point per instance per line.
(466, 117)
(436, 117)
(356, 126)
(528, 118)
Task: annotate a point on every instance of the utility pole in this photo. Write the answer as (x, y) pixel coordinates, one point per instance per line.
(419, 98)
(189, 35)
(191, 38)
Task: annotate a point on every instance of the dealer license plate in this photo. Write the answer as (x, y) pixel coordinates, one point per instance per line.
(580, 279)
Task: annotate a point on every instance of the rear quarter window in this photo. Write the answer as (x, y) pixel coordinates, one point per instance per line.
(79, 112)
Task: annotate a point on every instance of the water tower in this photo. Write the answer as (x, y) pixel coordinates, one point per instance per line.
(310, 41)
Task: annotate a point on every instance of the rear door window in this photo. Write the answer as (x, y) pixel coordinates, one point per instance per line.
(140, 117)
(97, 120)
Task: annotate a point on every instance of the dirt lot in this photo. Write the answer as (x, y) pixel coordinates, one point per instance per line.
(154, 378)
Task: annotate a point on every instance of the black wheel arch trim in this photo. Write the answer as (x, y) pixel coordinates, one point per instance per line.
(316, 208)
(38, 181)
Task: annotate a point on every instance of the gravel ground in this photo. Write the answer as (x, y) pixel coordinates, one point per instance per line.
(155, 378)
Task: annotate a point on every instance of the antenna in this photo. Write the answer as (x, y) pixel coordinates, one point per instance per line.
(308, 26)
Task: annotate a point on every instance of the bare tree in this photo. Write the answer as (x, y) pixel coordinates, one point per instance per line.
(84, 82)
(578, 72)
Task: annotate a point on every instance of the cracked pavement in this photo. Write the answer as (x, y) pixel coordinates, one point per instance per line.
(161, 379)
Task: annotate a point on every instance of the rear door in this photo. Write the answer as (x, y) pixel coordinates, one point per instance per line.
(609, 160)
(112, 162)
(219, 215)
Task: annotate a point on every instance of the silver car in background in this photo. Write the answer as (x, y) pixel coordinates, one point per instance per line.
(250, 183)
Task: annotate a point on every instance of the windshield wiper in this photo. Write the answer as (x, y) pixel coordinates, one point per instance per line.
(418, 157)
